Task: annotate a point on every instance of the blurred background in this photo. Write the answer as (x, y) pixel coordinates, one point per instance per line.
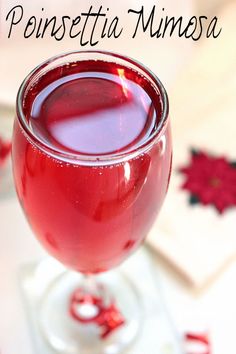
(194, 246)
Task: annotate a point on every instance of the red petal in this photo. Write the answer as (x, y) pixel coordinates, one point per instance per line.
(200, 175)
(5, 148)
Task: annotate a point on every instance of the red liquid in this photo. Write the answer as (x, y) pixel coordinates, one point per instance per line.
(90, 217)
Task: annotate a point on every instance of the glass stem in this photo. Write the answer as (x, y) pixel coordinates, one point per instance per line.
(92, 287)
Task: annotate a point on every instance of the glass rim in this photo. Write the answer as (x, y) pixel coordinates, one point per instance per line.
(86, 159)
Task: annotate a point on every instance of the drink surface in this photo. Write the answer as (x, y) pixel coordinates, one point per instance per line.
(91, 217)
(102, 109)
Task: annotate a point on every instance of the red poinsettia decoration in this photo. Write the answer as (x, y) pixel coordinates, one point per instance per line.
(211, 180)
(5, 148)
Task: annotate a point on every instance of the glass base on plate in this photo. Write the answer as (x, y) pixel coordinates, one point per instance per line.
(47, 290)
(92, 334)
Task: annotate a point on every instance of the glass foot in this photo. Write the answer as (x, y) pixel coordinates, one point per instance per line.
(147, 329)
(106, 318)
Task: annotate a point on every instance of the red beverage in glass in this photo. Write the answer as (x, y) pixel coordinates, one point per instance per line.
(89, 176)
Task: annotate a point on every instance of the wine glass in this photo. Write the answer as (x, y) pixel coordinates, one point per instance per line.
(91, 159)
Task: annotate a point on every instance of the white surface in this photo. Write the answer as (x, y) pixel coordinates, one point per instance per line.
(214, 309)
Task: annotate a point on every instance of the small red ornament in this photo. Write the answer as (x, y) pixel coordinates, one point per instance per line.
(107, 317)
(197, 340)
(211, 180)
(5, 148)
